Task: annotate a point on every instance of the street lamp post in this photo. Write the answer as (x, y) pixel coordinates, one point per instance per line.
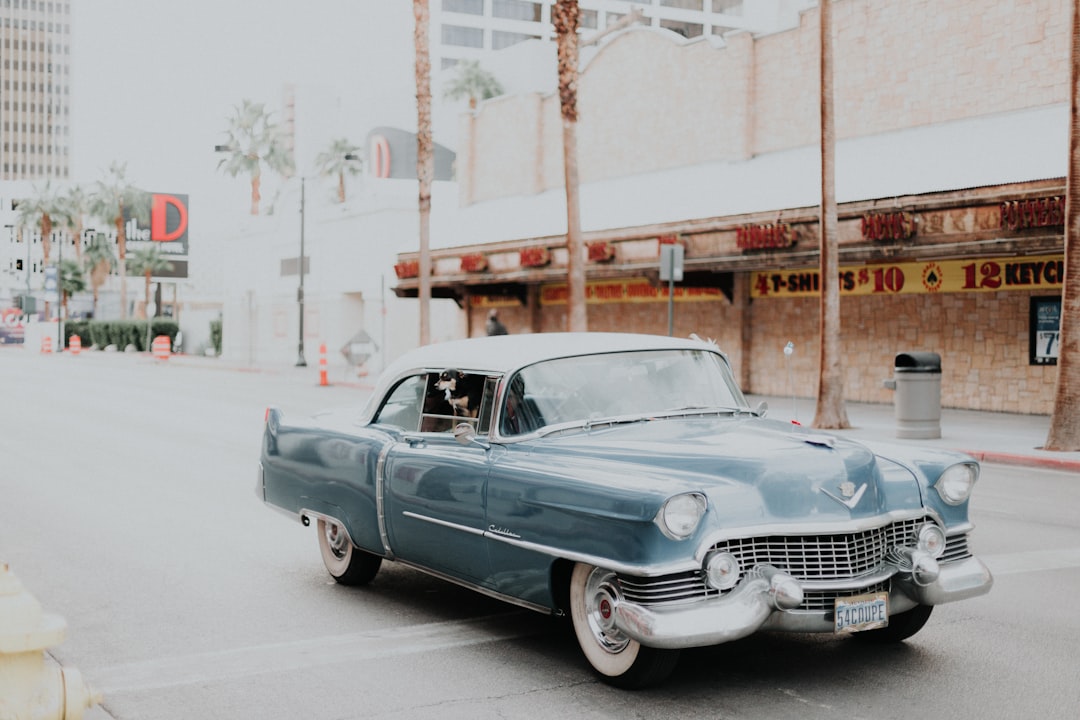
(60, 297)
(300, 361)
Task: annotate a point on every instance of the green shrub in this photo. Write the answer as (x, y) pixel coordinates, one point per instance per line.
(120, 333)
(215, 335)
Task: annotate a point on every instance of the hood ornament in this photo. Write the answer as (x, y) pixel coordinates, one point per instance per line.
(849, 495)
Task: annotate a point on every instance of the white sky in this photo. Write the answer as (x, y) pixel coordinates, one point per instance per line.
(154, 81)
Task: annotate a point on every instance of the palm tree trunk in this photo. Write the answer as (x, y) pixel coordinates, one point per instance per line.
(425, 165)
(830, 412)
(566, 17)
(255, 197)
(1064, 431)
(121, 251)
(341, 186)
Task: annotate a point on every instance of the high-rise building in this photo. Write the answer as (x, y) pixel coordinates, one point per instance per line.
(35, 79)
(471, 28)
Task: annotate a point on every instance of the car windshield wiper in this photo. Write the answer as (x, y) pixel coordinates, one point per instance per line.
(702, 410)
(588, 424)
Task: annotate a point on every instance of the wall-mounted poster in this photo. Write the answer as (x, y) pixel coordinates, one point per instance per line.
(1045, 332)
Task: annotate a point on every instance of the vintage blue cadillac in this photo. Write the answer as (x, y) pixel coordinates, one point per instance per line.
(623, 481)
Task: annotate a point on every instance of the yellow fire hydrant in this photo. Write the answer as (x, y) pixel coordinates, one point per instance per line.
(30, 689)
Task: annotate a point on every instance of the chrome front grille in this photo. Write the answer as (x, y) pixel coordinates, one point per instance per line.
(839, 557)
(823, 557)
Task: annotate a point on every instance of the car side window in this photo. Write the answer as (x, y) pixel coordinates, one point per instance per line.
(402, 407)
(453, 397)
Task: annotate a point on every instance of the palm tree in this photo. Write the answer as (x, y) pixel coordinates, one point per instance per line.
(473, 82)
(71, 281)
(38, 211)
(830, 412)
(337, 160)
(99, 260)
(565, 16)
(425, 159)
(1064, 433)
(112, 199)
(75, 203)
(254, 139)
(149, 261)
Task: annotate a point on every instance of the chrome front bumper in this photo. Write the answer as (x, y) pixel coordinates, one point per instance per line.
(768, 599)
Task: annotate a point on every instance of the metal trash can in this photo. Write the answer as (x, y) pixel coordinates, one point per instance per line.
(917, 381)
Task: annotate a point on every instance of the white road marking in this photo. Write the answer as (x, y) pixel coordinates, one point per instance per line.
(311, 652)
(1032, 561)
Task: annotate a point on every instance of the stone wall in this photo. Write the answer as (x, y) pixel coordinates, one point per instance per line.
(650, 100)
(982, 338)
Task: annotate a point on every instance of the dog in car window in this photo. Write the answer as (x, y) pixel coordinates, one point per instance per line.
(461, 391)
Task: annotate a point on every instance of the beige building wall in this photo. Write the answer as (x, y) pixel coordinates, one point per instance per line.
(649, 100)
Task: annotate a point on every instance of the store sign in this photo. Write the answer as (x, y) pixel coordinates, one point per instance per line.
(764, 237)
(915, 278)
(1037, 212)
(1045, 331)
(627, 291)
(534, 257)
(888, 226)
(168, 225)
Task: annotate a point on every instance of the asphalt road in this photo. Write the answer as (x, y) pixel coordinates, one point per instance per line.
(127, 506)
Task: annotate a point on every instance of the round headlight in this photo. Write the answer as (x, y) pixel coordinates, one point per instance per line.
(679, 517)
(722, 570)
(955, 484)
(932, 540)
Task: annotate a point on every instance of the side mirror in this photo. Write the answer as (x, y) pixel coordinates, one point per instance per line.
(761, 409)
(465, 434)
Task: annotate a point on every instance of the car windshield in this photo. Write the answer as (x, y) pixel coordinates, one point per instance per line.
(591, 388)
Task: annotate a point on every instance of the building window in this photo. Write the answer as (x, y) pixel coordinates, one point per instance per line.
(516, 10)
(721, 29)
(588, 19)
(462, 36)
(500, 39)
(684, 4)
(686, 29)
(467, 7)
(731, 7)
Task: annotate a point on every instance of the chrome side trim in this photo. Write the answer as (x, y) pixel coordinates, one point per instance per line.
(481, 589)
(443, 523)
(380, 499)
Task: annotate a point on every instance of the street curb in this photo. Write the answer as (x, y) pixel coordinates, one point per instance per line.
(1000, 458)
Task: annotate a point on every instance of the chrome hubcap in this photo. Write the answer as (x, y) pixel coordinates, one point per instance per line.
(335, 539)
(601, 597)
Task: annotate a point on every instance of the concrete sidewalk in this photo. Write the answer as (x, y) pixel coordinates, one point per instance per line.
(990, 437)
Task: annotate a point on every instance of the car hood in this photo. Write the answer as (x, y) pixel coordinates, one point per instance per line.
(752, 470)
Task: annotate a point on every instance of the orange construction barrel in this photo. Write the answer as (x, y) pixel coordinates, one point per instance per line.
(75, 344)
(161, 347)
(46, 344)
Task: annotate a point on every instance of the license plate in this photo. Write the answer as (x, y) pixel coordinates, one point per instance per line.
(862, 612)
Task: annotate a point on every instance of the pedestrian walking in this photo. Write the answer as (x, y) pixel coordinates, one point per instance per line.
(494, 327)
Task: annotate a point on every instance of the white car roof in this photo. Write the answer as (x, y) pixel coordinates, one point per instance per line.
(504, 353)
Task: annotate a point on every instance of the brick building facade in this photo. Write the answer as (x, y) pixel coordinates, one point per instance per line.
(944, 248)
